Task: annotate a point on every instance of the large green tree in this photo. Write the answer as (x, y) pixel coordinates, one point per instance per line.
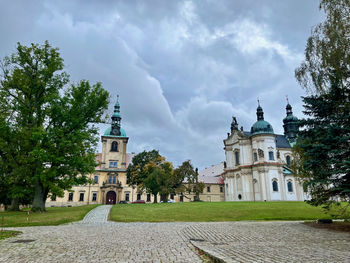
(323, 146)
(53, 121)
(190, 176)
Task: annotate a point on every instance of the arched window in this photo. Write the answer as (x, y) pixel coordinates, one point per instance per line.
(114, 146)
(288, 160)
(237, 157)
(290, 187)
(274, 186)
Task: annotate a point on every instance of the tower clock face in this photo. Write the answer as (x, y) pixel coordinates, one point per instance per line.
(115, 131)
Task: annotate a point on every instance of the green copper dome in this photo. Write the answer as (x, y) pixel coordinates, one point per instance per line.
(261, 127)
(116, 114)
(115, 130)
(108, 133)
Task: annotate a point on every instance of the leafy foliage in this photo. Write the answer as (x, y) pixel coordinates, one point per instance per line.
(51, 133)
(187, 173)
(323, 149)
(150, 172)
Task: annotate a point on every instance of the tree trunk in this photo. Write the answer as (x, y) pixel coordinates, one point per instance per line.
(155, 198)
(39, 198)
(14, 204)
(164, 198)
(197, 196)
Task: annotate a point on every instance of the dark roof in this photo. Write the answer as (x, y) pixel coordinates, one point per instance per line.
(282, 142)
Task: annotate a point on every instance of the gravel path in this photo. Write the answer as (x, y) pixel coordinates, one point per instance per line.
(94, 239)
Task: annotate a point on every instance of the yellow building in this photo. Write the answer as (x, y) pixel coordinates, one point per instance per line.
(110, 185)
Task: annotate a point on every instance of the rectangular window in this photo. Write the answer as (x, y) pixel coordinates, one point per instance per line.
(271, 156)
(94, 196)
(237, 158)
(208, 189)
(114, 179)
(221, 189)
(113, 164)
(255, 157)
(81, 197)
(138, 196)
(148, 197)
(70, 197)
(96, 179)
(110, 179)
(127, 198)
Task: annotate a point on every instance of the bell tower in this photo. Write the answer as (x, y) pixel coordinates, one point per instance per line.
(290, 124)
(114, 143)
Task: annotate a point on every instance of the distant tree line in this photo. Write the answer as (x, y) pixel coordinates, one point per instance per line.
(151, 173)
(47, 134)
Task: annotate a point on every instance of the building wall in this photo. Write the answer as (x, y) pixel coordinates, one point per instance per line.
(253, 179)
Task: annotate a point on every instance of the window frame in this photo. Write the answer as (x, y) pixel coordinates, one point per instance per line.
(80, 197)
(70, 197)
(255, 157)
(288, 159)
(290, 186)
(271, 156)
(275, 185)
(94, 197)
(237, 158)
(114, 146)
(208, 189)
(113, 164)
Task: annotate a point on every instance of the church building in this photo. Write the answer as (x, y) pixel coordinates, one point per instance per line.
(258, 161)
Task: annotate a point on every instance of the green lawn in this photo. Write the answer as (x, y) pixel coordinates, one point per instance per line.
(215, 211)
(8, 233)
(54, 216)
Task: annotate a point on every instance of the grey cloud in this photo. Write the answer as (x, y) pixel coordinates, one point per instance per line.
(181, 68)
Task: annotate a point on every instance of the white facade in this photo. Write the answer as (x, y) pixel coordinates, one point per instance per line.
(257, 165)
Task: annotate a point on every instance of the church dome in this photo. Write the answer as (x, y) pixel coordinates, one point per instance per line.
(108, 133)
(261, 126)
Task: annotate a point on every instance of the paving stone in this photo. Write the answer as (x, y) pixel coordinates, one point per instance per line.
(94, 239)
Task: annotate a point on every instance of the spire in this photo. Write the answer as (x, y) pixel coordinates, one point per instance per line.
(259, 112)
(288, 108)
(290, 125)
(116, 118)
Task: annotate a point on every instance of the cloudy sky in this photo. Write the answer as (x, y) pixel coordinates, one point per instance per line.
(182, 68)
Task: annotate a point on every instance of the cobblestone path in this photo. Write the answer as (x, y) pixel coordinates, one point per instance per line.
(94, 239)
(269, 242)
(97, 215)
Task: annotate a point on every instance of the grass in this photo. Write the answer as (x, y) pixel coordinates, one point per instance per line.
(8, 233)
(215, 211)
(54, 216)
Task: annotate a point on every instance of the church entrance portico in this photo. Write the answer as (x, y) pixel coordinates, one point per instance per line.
(111, 198)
